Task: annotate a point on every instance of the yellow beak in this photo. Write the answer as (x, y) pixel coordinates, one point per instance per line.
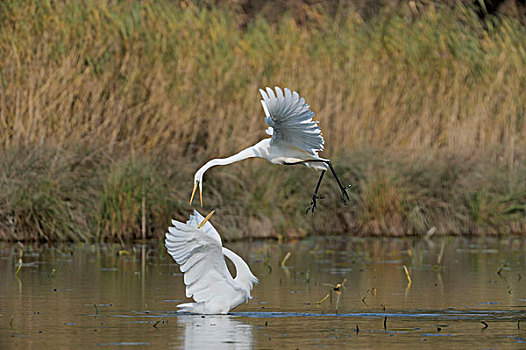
(206, 219)
(200, 194)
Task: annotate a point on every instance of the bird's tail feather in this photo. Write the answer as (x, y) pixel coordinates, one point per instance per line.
(189, 307)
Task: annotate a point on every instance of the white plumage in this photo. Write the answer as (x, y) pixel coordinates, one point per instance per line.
(295, 139)
(290, 121)
(200, 254)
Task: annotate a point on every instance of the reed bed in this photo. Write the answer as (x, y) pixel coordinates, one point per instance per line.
(107, 108)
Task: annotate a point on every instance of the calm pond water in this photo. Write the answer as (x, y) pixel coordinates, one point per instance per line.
(464, 293)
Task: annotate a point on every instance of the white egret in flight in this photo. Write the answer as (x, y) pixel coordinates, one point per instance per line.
(196, 247)
(295, 139)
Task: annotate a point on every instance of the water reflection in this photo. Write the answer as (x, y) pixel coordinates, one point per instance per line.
(215, 332)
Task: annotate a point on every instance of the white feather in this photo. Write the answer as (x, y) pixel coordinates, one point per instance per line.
(201, 258)
(291, 120)
(295, 139)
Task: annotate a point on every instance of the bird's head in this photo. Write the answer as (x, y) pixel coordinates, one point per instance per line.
(198, 182)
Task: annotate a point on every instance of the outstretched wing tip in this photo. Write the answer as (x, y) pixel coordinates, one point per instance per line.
(291, 119)
(265, 109)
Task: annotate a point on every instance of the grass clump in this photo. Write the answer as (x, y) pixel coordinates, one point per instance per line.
(42, 194)
(47, 195)
(127, 192)
(381, 202)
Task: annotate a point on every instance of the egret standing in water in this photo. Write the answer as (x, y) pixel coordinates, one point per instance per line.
(196, 247)
(295, 139)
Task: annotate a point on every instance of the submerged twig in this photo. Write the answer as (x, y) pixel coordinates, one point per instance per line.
(485, 324)
(365, 296)
(371, 291)
(336, 289)
(282, 264)
(157, 322)
(441, 253)
(143, 214)
(501, 268)
(324, 298)
(409, 281)
(339, 294)
(19, 262)
(340, 285)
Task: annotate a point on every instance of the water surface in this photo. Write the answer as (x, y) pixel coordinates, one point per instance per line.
(464, 292)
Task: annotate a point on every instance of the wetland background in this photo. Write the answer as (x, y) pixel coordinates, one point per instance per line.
(108, 108)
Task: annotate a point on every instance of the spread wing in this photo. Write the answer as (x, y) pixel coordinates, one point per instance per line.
(290, 120)
(200, 256)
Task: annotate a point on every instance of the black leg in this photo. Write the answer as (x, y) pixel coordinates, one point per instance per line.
(312, 204)
(342, 188)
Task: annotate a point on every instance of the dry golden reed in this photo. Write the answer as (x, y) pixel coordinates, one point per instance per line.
(158, 76)
(155, 88)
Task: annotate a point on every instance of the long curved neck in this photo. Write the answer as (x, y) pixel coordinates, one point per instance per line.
(248, 152)
(243, 273)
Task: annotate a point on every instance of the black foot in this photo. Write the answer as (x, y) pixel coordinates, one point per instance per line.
(345, 195)
(312, 204)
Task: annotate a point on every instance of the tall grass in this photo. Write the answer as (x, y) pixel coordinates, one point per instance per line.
(49, 194)
(158, 76)
(157, 88)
